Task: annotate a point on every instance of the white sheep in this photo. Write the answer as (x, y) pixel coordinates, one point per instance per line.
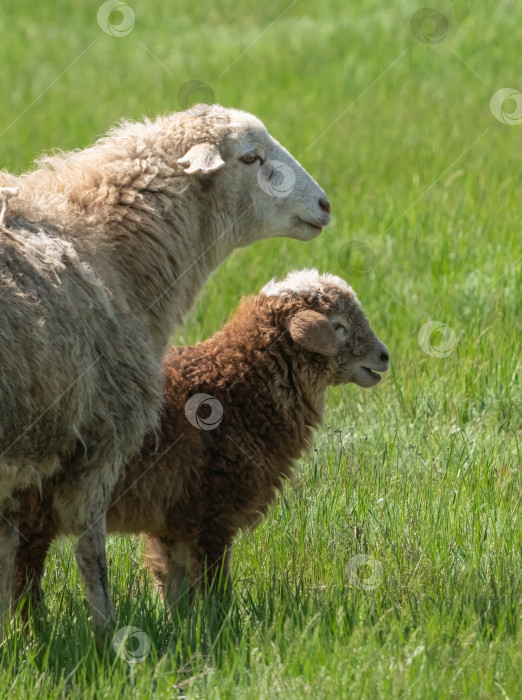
(101, 252)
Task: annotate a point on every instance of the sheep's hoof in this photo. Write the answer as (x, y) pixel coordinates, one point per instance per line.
(103, 633)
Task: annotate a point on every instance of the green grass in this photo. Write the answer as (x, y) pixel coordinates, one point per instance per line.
(421, 473)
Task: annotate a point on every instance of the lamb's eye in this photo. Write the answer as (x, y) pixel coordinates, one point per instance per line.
(339, 328)
(250, 157)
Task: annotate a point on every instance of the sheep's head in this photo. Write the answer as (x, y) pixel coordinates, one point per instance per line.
(323, 316)
(232, 156)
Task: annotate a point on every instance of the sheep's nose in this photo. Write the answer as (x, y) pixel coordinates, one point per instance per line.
(325, 205)
(384, 357)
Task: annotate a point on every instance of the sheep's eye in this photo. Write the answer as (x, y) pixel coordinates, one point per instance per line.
(250, 158)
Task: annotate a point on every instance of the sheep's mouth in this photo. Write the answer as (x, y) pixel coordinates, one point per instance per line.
(373, 374)
(311, 224)
(305, 230)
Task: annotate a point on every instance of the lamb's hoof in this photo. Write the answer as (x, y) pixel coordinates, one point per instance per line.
(36, 614)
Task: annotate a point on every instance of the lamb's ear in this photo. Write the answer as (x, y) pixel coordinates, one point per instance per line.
(203, 158)
(314, 332)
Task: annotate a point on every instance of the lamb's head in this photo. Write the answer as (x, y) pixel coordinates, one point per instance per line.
(235, 161)
(323, 317)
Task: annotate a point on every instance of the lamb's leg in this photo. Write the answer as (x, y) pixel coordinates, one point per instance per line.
(90, 555)
(9, 538)
(168, 562)
(210, 570)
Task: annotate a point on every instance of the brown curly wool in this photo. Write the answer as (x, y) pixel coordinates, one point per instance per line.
(239, 409)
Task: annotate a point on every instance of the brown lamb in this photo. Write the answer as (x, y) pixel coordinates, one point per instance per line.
(239, 410)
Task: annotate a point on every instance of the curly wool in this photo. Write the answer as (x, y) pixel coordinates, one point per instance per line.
(90, 274)
(101, 252)
(194, 490)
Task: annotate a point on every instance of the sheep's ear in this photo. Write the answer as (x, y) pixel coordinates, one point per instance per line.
(203, 158)
(314, 332)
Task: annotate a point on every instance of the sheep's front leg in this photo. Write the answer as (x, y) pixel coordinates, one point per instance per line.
(81, 504)
(90, 555)
(9, 539)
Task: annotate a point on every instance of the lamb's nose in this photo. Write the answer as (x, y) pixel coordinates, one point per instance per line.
(325, 205)
(385, 357)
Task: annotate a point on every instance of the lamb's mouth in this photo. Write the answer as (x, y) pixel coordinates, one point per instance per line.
(373, 374)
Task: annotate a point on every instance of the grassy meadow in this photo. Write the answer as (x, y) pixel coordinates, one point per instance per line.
(390, 111)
